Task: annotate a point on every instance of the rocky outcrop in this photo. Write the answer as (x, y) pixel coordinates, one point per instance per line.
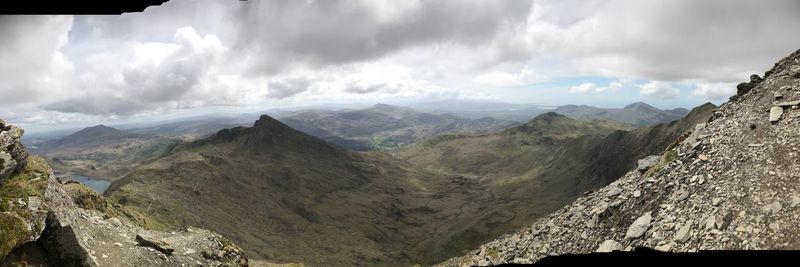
(732, 184)
(76, 229)
(12, 153)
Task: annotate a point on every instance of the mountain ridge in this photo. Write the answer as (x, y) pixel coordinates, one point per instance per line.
(729, 185)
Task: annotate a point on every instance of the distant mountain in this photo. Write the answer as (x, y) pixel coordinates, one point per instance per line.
(540, 166)
(287, 196)
(639, 113)
(385, 127)
(101, 152)
(475, 109)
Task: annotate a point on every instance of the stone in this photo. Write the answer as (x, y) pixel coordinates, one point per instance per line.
(773, 208)
(614, 191)
(711, 222)
(683, 233)
(664, 247)
(777, 95)
(115, 222)
(609, 246)
(647, 162)
(681, 195)
(715, 201)
(637, 193)
(725, 221)
(788, 103)
(639, 226)
(775, 114)
(702, 157)
(786, 88)
(157, 244)
(795, 201)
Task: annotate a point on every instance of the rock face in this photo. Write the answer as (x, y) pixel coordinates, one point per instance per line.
(75, 229)
(12, 153)
(743, 194)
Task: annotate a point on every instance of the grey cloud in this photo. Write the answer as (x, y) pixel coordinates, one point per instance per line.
(100, 105)
(715, 40)
(357, 88)
(286, 88)
(28, 63)
(340, 31)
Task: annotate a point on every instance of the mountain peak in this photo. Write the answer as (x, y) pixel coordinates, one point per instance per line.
(97, 131)
(640, 106)
(547, 117)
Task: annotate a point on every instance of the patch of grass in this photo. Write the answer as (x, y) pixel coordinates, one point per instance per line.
(30, 182)
(666, 158)
(12, 233)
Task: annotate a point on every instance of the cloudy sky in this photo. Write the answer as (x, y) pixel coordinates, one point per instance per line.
(187, 56)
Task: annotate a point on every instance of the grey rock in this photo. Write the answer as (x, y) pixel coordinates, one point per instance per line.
(681, 194)
(775, 114)
(715, 201)
(609, 246)
(157, 244)
(613, 191)
(639, 226)
(773, 208)
(777, 95)
(647, 162)
(683, 233)
(788, 103)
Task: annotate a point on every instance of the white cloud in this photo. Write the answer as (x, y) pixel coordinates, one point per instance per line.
(505, 79)
(591, 88)
(659, 89)
(714, 91)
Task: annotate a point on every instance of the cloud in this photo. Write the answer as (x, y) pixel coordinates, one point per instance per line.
(32, 68)
(505, 79)
(712, 41)
(287, 32)
(286, 88)
(714, 91)
(141, 76)
(659, 89)
(591, 88)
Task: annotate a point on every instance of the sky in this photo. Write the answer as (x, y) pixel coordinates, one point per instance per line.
(195, 56)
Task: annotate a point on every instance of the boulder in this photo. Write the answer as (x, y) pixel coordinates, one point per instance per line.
(647, 162)
(609, 246)
(639, 227)
(775, 114)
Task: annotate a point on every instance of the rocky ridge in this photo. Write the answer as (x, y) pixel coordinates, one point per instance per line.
(70, 225)
(731, 184)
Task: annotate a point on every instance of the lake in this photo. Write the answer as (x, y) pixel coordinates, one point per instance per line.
(98, 185)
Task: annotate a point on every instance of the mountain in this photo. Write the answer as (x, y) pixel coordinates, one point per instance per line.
(287, 196)
(101, 152)
(476, 109)
(538, 167)
(385, 127)
(639, 114)
(729, 185)
(44, 222)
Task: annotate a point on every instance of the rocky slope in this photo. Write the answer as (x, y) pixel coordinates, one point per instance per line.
(536, 168)
(731, 184)
(639, 114)
(44, 222)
